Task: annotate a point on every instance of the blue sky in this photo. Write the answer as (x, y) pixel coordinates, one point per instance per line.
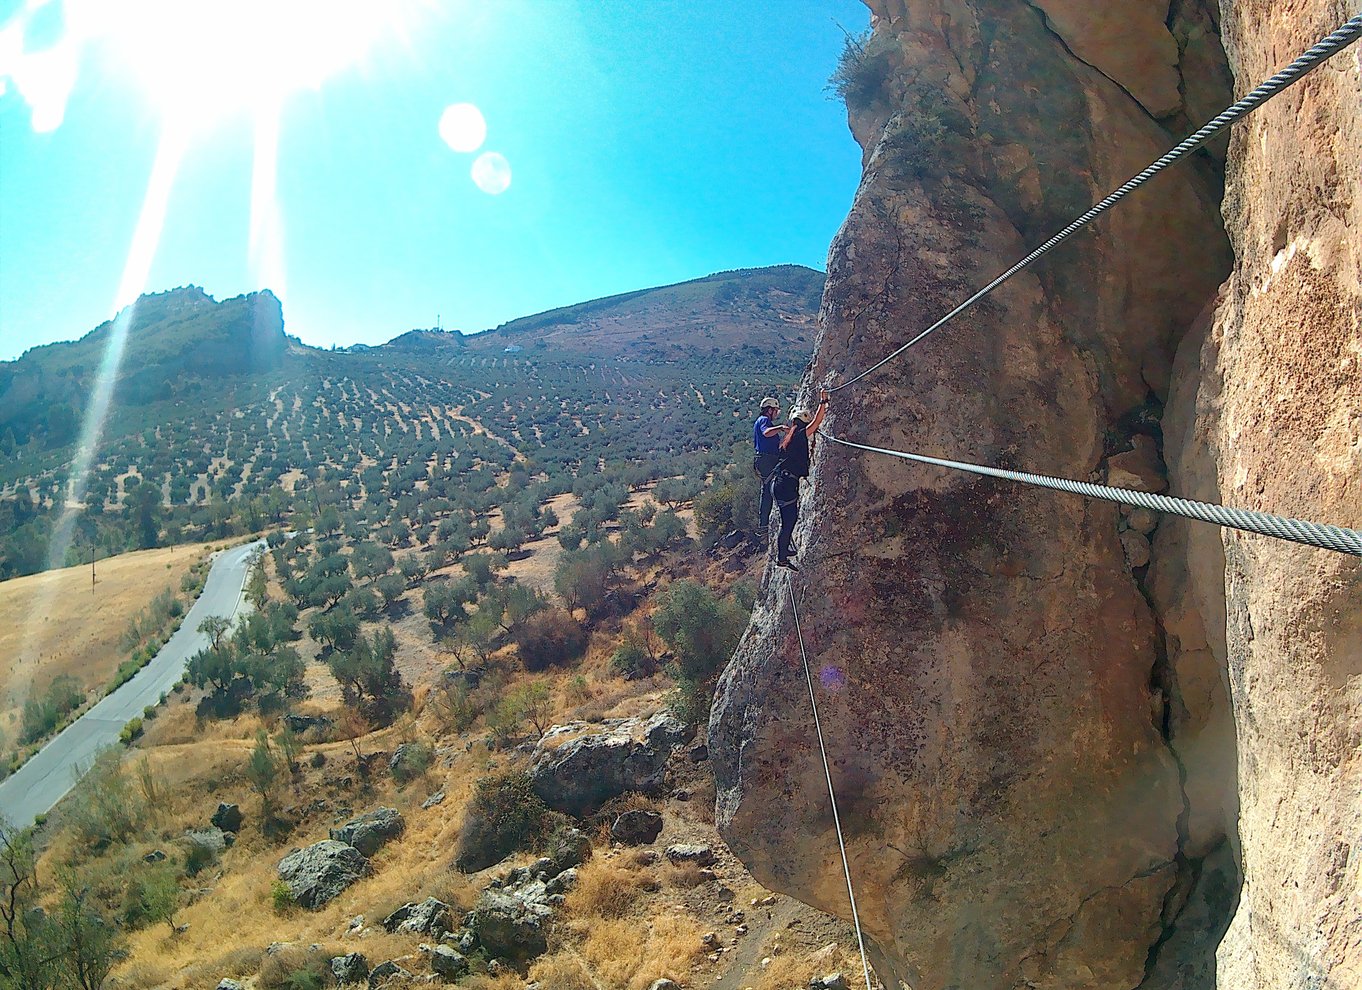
(648, 142)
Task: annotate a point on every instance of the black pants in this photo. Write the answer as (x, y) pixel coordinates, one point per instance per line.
(764, 464)
(787, 497)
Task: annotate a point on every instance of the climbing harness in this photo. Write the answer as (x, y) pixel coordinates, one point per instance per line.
(832, 796)
(1311, 534)
(1327, 47)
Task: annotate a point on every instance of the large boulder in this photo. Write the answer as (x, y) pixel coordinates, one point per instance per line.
(429, 917)
(994, 694)
(512, 924)
(369, 832)
(321, 871)
(578, 766)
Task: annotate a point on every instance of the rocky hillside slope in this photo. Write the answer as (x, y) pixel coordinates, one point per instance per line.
(1075, 744)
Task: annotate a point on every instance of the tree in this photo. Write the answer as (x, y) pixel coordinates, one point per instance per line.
(29, 949)
(215, 627)
(444, 601)
(256, 588)
(533, 702)
(144, 512)
(701, 629)
(90, 942)
(262, 772)
(390, 587)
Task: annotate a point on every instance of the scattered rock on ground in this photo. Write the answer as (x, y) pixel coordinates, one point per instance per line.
(368, 833)
(699, 855)
(437, 798)
(350, 968)
(429, 917)
(155, 856)
(227, 817)
(386, 972)
(637, 827)
(214, 840)
(832, 981)
(230, 985)
(563, 882)
(510, 926)
(319, 872)
(299, 724)
(578, 766)
(445, 962)
(569, 847)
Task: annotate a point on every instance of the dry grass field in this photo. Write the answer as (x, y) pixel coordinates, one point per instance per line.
(55, 623)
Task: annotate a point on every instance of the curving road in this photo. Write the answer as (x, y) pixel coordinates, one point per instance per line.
(53, 770)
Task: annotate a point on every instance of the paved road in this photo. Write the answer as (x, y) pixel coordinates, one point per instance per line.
(52, 771)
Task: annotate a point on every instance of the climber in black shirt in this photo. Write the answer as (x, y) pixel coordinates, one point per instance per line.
(795, 448)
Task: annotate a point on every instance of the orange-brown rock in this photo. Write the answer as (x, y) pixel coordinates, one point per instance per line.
(1276, 423)
(997, 697)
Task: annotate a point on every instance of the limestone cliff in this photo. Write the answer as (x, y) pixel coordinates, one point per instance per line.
(1042, 726)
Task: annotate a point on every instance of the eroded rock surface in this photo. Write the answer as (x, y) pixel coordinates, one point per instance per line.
(996, 684)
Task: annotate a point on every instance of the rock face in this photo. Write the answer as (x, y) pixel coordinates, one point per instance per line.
(511, 925)
(1058, 728)
(1275, 422)
(321, 871)
(369, 832)
(577, 767)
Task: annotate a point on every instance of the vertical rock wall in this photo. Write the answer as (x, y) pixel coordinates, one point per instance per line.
(1028, 705)
(1275, 422)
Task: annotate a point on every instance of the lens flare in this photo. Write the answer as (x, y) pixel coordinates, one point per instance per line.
(492, 173)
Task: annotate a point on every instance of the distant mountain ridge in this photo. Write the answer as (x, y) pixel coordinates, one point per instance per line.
(174, 339)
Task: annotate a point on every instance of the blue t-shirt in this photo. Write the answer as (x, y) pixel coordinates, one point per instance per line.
(763, 443)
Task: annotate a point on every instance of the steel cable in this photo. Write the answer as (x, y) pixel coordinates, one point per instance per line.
(832, 796)
(1325, 48)
(1302, 531)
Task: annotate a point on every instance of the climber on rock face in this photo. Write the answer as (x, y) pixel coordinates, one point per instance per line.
(793, 465)
(766, 445)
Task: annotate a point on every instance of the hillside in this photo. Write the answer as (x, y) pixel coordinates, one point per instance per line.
(213, 454)
(174, 341)
(756, 311)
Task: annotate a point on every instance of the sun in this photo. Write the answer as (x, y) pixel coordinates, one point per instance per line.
(200, 60)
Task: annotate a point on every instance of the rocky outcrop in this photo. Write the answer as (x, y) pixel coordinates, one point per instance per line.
(370, 832)
(579, 766)
(1059, 729)
(1002, 710)
(321, 871)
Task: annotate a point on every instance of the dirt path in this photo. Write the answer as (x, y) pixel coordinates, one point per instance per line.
(744, 963)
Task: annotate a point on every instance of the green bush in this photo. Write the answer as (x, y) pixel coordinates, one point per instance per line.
(863, 68)
(631, 661)
(131, 731)
(503, 816)
(281, 897)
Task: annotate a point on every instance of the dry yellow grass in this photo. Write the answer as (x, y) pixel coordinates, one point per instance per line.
(605, 890)
(629, 953)
(54, 623)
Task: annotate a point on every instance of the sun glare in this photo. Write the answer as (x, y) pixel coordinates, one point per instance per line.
(208, 58)
(462, 127)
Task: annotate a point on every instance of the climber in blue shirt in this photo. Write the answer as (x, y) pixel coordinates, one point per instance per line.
(766, 446)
